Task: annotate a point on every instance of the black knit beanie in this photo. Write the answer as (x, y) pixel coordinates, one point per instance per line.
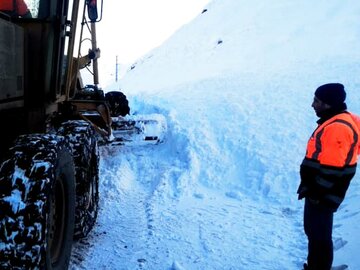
(332, 94)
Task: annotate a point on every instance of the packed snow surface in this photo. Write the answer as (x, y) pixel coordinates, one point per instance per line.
(235, 86)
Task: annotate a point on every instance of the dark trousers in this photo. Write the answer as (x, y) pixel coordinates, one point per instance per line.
(318, 223)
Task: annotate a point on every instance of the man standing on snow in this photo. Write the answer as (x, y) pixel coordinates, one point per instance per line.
(326, 171)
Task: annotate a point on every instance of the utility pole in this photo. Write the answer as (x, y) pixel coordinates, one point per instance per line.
(116, 69)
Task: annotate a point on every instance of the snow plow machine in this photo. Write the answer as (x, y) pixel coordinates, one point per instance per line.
(53, 126)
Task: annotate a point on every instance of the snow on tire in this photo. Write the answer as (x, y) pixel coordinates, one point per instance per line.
(82, 139)
(37, 204)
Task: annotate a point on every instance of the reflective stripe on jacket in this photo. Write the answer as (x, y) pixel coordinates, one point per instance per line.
(330, 161)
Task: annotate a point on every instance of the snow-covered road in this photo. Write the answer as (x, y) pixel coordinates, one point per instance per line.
(147, 222)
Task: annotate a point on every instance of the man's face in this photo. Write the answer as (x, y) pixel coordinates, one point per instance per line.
(319, 106)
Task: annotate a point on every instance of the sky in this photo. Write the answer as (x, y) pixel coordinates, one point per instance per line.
(130, 29)
(235, 86)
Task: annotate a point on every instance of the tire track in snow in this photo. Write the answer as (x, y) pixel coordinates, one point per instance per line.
(133, 182)
(122, 229)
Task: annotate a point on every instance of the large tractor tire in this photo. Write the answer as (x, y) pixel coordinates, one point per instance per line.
(37, 204)
(82, 139)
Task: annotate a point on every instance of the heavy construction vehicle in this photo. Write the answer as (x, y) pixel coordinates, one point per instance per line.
(52, 124)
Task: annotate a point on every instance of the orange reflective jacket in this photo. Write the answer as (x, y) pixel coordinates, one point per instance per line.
(336, 141)
(330, 161)
(17, 6)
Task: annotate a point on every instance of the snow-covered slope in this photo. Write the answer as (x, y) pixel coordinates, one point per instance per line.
(235, 85)
(255, 37)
